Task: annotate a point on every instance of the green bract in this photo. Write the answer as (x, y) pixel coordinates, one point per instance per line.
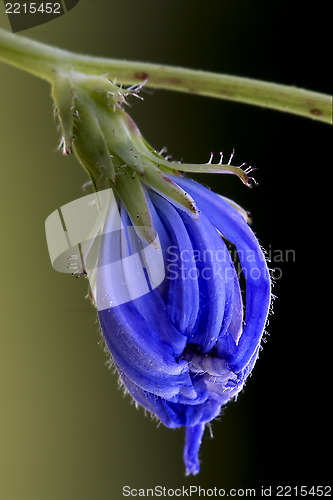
(109, 145)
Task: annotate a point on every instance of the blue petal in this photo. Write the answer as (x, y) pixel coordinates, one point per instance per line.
(136, 348)
(183, 297)
(139, 353)
(211, 267)
(258, 288)
(216, 281)
(152, 307)
(176, 414)
(191, 449)
(165, 243)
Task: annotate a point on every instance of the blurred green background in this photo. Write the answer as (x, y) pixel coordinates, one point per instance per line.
(66, 431)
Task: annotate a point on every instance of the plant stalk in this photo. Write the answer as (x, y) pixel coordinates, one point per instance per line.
(45, 61)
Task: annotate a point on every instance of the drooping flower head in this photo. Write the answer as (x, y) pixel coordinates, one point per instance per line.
(180, 283)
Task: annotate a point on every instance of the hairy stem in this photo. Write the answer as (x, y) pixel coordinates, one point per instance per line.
(44, 61)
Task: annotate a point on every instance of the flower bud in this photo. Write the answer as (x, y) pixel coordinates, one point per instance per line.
(181, 332)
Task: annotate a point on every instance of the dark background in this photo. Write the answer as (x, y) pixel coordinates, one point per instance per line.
(66, 430)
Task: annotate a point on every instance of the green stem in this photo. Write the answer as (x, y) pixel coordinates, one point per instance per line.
(34, 57)
(44, 61)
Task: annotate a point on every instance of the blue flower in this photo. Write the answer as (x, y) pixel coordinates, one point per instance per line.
(185, 346)
(184, 349)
